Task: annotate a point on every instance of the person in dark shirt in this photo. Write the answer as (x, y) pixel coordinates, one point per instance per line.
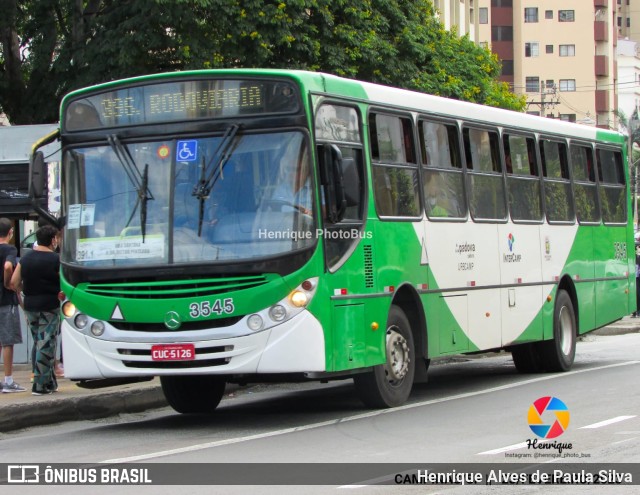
(10, 333)
(37, 277)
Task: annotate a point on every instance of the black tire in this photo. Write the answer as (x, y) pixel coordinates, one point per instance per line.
(193, 394)
(559, 353)
(527, 358)
(389, 384)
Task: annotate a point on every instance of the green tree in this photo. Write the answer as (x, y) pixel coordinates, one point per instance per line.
(50, 47)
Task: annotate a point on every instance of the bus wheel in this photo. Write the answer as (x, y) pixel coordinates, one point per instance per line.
(558, 354)
(193, 394)
(527, 358)
(389, 384)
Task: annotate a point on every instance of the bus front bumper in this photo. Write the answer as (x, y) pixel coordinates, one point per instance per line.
(294, 346)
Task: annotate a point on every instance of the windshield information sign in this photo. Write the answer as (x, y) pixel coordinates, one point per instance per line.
(180, 101)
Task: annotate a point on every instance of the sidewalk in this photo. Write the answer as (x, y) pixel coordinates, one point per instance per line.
(71, 403)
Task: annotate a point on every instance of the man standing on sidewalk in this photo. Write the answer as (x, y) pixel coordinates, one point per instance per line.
(37, 276)
(10, 333)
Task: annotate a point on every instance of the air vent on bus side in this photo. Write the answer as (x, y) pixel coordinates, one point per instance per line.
(368, 266)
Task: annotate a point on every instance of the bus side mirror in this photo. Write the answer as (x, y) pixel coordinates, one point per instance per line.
(38, 176)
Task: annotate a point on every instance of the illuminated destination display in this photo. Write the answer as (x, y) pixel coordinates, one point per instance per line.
(179, 101)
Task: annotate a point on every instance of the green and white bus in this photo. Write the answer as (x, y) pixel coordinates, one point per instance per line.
(238, 226)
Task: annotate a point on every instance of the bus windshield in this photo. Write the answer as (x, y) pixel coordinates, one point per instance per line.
(233, 197)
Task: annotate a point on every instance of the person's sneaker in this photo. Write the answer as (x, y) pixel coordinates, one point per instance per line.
(14, 387)
(44, 392)
(59, 370)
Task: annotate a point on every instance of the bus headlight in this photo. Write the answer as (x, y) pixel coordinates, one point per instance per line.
(81, 321)
(277, 312)
(69, 309)
(254, 322)
(299, 299)
(97, 328)
(285, 309)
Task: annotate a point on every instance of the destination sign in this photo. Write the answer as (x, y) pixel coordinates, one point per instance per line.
(179, 101)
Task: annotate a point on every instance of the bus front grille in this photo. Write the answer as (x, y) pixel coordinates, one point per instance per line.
(176, 289)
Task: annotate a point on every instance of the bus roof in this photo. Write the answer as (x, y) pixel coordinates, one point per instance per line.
(16, 142)
(386, 95)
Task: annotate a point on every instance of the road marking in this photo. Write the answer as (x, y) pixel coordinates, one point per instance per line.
(607, 422)
(515, 446)
(370, 414)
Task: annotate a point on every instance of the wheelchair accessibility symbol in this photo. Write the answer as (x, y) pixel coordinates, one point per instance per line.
(187, 151)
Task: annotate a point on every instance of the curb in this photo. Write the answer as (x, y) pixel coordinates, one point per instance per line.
(18, 416)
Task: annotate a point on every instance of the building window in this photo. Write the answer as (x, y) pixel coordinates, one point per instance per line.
(531, 49)
(502, 3)
(548, 14)
(549, 48)
(532, 84)
(566, 15)
(483, 15)
(550, 84)
(502, 33)
(507, 67)
(628, 22)
(531, 14)
(568, 117)
(619, 21)
(567, 50)
(567, 84)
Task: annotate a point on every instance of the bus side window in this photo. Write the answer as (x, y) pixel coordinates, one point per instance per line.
(395, 170)
(612, 186)
(443, 180)
(523, 183)
(484, 176)
(557, 187)
(584, 184)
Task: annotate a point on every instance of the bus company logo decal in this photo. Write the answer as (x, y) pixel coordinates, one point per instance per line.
(560, 419)
(511, 257)
(172, 320)
(547, 248)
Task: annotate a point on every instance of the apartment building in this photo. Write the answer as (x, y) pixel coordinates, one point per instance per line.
(628, 19)
(561, 54)
(461, 15)
(628, 60)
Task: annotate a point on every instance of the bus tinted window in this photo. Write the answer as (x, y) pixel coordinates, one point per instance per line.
(485, 184)
(523, 182)
(395, 173)
(584, 184)
(443, 179)
(558, 200)
(612, 186)
(337, 123)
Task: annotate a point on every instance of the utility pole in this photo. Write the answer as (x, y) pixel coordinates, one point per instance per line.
(543, 103)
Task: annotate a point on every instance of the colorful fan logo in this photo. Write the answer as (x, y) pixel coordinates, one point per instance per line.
(511, 240)
(556, 408)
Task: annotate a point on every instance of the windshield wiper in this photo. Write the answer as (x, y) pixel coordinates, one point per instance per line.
(139, 180)
(211, 172)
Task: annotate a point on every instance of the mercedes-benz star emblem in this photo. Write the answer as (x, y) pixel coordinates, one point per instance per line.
(172, 320)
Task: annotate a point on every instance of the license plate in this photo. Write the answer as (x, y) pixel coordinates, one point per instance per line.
(173, 352)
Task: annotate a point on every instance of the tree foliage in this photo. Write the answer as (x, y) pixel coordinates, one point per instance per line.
(50, 47)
